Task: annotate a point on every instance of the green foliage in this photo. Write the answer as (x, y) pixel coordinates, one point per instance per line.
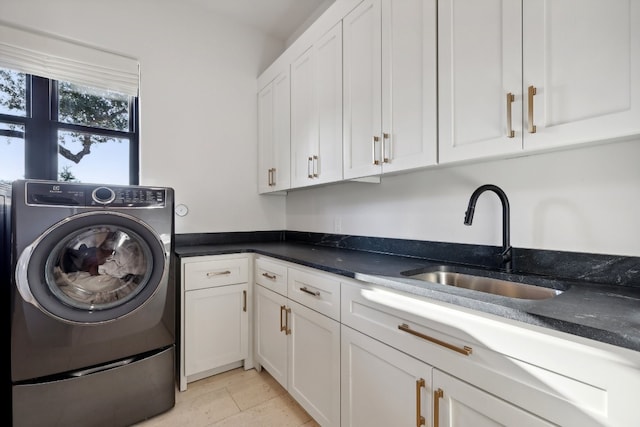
(67, 175)
(77, 105)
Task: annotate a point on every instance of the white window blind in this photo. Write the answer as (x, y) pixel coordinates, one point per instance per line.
(59, 59)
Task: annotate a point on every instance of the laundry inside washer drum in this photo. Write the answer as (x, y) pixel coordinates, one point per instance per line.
(100, 266)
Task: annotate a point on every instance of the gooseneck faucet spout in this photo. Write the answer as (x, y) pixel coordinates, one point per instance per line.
(468, 219)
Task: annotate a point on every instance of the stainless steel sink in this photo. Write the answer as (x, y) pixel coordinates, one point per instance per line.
(507, 288)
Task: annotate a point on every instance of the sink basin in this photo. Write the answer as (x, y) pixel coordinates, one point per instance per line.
(445, 275)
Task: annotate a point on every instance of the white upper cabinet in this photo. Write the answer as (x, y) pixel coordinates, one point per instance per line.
(316, 112)
(389, 73)
(479, 60)
(583, 59)
(517, 76)
(274, 135)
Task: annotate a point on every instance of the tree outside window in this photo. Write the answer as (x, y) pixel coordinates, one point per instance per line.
(84, 134)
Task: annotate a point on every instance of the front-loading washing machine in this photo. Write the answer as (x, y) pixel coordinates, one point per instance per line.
(92, 303)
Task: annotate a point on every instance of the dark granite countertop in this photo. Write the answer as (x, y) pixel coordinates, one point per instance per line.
(601, 312)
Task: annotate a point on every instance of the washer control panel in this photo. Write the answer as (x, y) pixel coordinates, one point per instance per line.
(93, 195)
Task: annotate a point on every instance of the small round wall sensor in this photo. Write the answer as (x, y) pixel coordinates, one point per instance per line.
(182, 210)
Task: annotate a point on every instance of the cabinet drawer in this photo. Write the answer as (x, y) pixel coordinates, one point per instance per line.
(317, 291)
(271, 275)
(215, 272)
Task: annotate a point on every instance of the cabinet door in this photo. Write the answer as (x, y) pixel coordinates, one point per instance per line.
(381, 385)
(328, 52)
(409, 101)
(270, 338)
(583, 58)
(274, 135)
(458, 404)
(479, 64)
(316, 112)
(216, 327)
(314, 363)
(304, 125)
(362, 90)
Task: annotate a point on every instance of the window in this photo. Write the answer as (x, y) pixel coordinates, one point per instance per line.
(58, 130)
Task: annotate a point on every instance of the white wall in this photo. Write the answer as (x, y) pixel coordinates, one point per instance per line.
(198, 109)
(198, 135)
(581, 200)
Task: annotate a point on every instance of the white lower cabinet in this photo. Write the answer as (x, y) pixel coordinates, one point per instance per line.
(314, 363)
(216, 327)
(298, 346)
(486, 370)
(215, 309)
(382, 386)
(270, 335)
(458, 404)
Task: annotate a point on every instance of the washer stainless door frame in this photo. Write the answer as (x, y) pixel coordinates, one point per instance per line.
(38, 284)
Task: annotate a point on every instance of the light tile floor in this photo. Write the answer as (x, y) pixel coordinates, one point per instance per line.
(234, 398)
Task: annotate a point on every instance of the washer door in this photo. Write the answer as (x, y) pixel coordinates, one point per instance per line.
(92, 268)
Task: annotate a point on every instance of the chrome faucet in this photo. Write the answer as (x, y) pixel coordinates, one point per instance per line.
(506, 255)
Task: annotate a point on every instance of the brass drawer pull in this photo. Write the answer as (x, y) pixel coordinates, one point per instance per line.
(283, 327)
(269, 276)
(437, 395)
(420, 421)
(510, 132)
(385, 157)
(287, 330)
(464, 350)
(373, 150)
(315, 294)
(531, 92)
(218, 273)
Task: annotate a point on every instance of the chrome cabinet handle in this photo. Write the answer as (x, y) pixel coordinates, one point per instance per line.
(510, 132)
(269, 276)
(463, 350)
(373, 150)
(309, 167)
(218, 273)
(315, 294)
(420, 421)
(314, 167)
(531, 92)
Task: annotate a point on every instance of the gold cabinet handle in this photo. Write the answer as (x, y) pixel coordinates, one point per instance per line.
(385, 157)
(437, 395)
(269, 276)
(283, 327)
(420, 421)
(373, 150)
(287, 330)
(531, 92)
(463, 350)
(309, 167)
(510, 132)
(218, 273)
(314, 167)
(244, 301)
(315, 294)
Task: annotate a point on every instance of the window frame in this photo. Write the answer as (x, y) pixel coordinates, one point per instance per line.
(41, 126)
